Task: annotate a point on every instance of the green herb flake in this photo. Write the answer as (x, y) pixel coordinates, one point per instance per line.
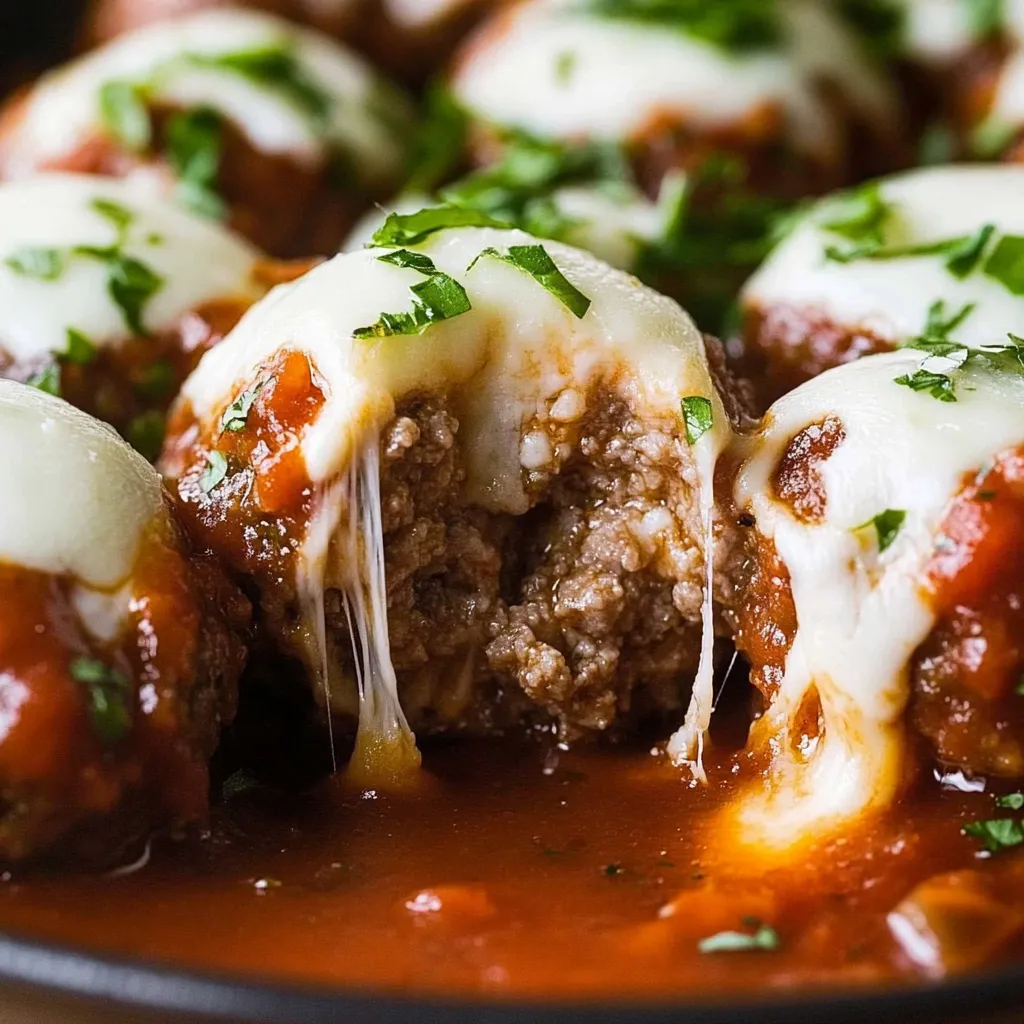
(996, 834)
(698, 414)
(439, 297)
(131, 285)
(108, 692)
(763, 940)
(146, 434)
(214, 473)
(535, 261)
(565, 65)
(403, 229)
(39, 263)
(157, 380)
(237, 412)
(1011, 801)
(438, 143)
(938, 385)
(964, 257)
(195, 144)
(47, 379)
(123, 110)
(887, 526)
(120, 216)
(986, 17)
(859, 215)
(1005, 264)
(1019, 688)
(738, 26)
(80, 349)
(277, 69)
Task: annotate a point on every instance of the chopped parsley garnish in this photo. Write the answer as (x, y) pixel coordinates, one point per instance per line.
(887, 526)
(276, 68)
(123, 110)
(565, 65)
(945, 355)
(739, 25)
(80, 349)
(402, 229)
(108, 691)
(438, 143)
(536, 261)
(146, 434)
(763, 940)
(42, 264)
(130, 283)
(47, 379)
(518, 189)
(1011, 801)
(438, 298)
(1019, 688)
(216, 470)
(1006, 263)
(195, 143)
(238, 411)
(996, 834)
(962, 258)
(859, 215)
(698, 416)
(986, 17)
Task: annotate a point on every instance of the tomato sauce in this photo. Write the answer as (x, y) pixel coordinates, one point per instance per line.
(516, 870)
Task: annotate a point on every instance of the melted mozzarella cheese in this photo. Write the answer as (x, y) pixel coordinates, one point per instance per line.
(861, 614)
(63, 110)
(197, 260)
(614, 221)
(77, 499)
(561, 73)
(505, 362)
(891, 298)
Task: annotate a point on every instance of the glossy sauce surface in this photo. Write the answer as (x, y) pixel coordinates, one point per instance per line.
(515, 871)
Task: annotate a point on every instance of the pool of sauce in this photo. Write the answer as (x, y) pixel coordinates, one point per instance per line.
(516, 871)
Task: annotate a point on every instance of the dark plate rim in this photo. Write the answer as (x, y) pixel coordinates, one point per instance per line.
(126, 984)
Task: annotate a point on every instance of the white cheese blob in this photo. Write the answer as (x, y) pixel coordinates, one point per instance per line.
(559, 72)
(63, 110)
(891, 298)
(503, 364)
(76, 500)
(860, 613)
(937, 31)
(197, 260)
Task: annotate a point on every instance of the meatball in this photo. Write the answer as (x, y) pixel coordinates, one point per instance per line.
(863, 271)
(518, 439)
(109, 296)
(882, 592)
(665, 140)
(235, 114)
(407, 37)
(119, 648)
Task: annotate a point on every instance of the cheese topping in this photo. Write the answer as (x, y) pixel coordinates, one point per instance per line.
(861, 613)
(77, 499)
(63, 110)
(890, 298)
(936, 31)
(504, 363)
(197, 260)
(563, 73)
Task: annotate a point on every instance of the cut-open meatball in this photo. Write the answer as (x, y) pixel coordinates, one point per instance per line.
(496, 452)
(235, 113)
(109, 296)
(895, 262)
(408, 37)
(709, 115)
(119, 648)
(884, 585)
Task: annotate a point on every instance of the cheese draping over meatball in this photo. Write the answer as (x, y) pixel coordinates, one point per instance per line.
(571, 70)
(849, 482)
(316, 98)
(530, 347)
(47, 288)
